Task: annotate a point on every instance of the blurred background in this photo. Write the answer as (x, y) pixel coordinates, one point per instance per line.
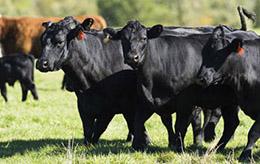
(149, 12)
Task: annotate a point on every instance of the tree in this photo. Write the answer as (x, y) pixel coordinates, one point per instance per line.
(118, 12)
(257, 11)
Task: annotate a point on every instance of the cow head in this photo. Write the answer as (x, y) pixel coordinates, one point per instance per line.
(55, 41)
(221, 45)
(134, 38)
(219, 49)
(217, 39)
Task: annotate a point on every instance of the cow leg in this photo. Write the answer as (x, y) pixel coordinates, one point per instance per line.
(87, 119)
(196, 126)
(63, 83)
(183, 118)
(4, 92)
(24, 91)
(30, 86)
(34, 92)
(213, 119)
(141, 139)
(231, 121)
(130, 124)
(253, 136)
(207, 115)
(167, 122)
(100, 126)
(88, 128)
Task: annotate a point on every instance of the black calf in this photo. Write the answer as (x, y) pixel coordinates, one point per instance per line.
(18, 67)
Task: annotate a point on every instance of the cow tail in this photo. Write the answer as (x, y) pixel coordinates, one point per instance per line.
(31, 57)
(242, 19)
(242, 13)
(249, 15)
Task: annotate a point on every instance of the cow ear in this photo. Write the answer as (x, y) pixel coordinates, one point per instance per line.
(155, 31)
(113, 34)
(218, 32)
(71, 23)
(87, 23)
(46, 24)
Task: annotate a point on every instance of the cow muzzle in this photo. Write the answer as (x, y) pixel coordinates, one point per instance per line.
(42, 65)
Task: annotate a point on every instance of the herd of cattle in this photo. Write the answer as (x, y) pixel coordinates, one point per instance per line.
(137, 71)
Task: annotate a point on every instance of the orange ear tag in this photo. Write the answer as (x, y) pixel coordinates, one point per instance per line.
(81, 35)
(240, 51)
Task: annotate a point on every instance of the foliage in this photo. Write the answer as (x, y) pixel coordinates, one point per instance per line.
(149, 12)
(257, 11)
(117, 12)
(47, 7)
(173, 12)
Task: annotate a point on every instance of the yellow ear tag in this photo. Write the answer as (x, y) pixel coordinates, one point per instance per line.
(106, 39)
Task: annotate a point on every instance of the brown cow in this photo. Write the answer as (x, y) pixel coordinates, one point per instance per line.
(22, 34)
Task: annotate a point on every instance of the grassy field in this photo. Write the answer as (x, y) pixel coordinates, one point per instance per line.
(49, 131)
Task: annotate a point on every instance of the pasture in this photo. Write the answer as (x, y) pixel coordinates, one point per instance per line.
(49, 131)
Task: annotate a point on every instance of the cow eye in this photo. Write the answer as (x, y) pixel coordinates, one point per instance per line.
(143, 39)
(59, 43)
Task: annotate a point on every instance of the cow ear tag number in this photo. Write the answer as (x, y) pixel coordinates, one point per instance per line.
(240, 51)
(81, 35)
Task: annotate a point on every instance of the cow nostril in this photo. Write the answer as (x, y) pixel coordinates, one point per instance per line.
(45, 64)
(136, 58)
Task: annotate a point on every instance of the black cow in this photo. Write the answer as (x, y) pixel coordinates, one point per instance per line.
(18, 67)
(87, 59)
(237, 62)
(167, 73)
(210, 129)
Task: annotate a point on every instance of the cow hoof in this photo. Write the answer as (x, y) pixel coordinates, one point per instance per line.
(171, 145)
(139, 146)
(129, 138)
(177, 149)
(246, 156)
(209, 134)
(209, 138)
(87, 142)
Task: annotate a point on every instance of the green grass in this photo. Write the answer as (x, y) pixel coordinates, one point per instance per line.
(257, 30)
(49, 131)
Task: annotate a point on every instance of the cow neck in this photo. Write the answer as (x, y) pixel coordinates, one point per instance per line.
(88, 62)
(157, 71)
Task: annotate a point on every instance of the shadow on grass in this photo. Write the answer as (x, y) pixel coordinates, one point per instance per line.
(104, 147)
(201, 151)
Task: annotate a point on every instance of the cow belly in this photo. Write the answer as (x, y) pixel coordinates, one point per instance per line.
(109, 104)
(248, 99)
(216, 96)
